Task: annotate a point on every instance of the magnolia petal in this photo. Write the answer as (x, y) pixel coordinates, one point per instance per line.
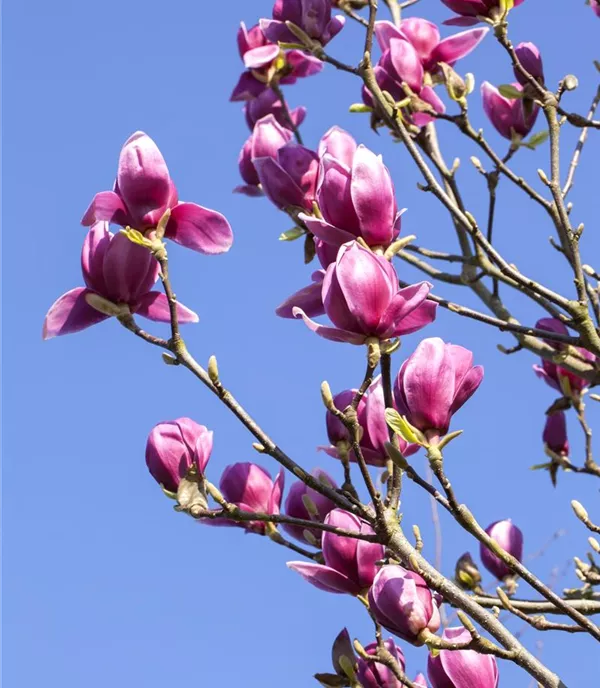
(332, 333)
(324, 578)
(200, 229)
(108, 206)
(309, 299)
(155, 306)
(70, 313)
(453, 48)
(261, 56)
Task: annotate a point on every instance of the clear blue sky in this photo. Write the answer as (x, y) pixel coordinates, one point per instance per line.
(103, 583)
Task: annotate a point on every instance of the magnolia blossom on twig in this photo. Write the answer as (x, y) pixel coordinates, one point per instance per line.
(461, 668)
(119, 276)
(144, 192)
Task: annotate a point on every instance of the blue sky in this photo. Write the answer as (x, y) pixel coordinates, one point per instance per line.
(103, 583)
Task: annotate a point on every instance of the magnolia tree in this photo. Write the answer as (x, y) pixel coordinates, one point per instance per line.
(341, 198)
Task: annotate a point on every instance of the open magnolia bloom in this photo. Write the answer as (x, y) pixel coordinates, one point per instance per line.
(264, 59)
(144, 192)
(361, 297)
(119, 276)
(461, 668)
(425, 38)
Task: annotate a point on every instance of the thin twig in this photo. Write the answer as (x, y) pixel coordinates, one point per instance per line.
(286, 112)
(579, 147)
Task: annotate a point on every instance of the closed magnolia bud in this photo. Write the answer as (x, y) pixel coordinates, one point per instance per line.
(555, 434)
(461, 668)
(510, 538)
(372, 674)
(456, 87)
(342, 654)
(466, 573)
(531, 60)
(173, 447)
(401, 602)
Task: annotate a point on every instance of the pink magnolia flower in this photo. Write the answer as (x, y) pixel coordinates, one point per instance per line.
(173, 447)
(312, 16)
(470, 11)
(510, 116)
(349, 563)
(355, 201)
(250, 488)
(267, 103)
(118, 271)
(267, 137)
(289, 179)
(531, 59)
(144, 191)
(567, 383)
(425, 38)
(362, 299)
(433, 384)
(555, 434)
(595, 5)
(419, 680)
(461, 668)
(373, 674)
(371, 418)
(400, 63)
(401, 602)
(295, 506)
(510, 538)
(263, 58)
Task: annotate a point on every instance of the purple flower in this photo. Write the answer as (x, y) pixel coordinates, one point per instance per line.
(595, 5)
(510, 116)
(264, 59)
(119, 276)
(349, 563)
(399, 64)
(144, 191)
(419, 680)
(173, 447)
(355, 201)
(510, 538)
(564, 381)
(461, 668)
(425, 38)
(312, 16)
(362, 299)
(251, 488)
(373, 674)
(296, 506)
(433, 383)
(267, 103)
(555, 434)
(470, 11)
(401, 602)
(530, 58)
(371, 418)
(339, 144)
(267, 137)
(289, 179)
